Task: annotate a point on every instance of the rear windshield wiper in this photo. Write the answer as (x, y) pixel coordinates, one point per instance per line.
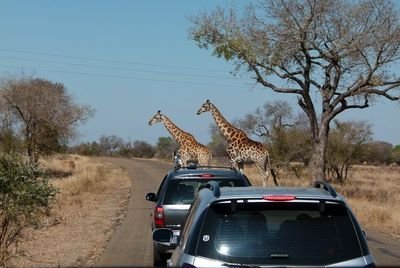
(239, 265)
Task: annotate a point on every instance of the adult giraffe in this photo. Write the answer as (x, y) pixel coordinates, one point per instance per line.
(240, 147)
(189, 148)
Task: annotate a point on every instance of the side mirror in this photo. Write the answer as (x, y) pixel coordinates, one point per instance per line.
(151, 197)
(163, 235)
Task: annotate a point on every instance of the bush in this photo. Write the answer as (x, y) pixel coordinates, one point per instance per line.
(25, 196)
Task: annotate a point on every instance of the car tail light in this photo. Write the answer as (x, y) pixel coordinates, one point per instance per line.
(159, 217)
(279, 197)
(206, 175)
(187, 265)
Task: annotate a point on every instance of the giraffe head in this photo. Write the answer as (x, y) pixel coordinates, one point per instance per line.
(156, 118)
(206, 107)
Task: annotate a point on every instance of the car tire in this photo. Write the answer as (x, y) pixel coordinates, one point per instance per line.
(159, 260)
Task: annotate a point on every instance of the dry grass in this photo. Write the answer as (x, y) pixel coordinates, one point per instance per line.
(93, 197)
(372, 192)
(91, 202)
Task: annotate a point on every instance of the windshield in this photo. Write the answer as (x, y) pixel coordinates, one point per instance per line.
(182, 191)
(278, 233)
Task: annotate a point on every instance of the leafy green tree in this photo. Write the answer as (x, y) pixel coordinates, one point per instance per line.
(346, 146)
(218, 144)
(284, 133)
(396, 154)
(166, 147)
(9, 141)
(333, 55)
(25, 196)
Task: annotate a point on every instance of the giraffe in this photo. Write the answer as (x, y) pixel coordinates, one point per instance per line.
(240, 147)
(189, 148)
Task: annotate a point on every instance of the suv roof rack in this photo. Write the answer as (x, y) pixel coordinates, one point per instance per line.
(224, 167)
(326, 186)
(194, 166)
(214, 187)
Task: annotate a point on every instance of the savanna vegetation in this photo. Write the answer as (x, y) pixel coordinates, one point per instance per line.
(91, 200)
(25, 198)
(333, 55)
(286, 133)
(372, 192)
(37, 194)
(37, 117)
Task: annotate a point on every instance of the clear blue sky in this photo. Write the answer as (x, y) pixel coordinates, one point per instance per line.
(128, 59)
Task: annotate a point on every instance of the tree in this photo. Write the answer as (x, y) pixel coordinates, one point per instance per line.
(87, 148)
(142, 149)
(396, 154)
(111, 144)
(218, 143)
(346, 146)
(276, 123)
(338, 50)
(378, 152)
(25, 196)
(10, 142)
(45, 113)
(166, 147)
(283, 132)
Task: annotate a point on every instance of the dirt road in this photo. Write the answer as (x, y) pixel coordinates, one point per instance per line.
(132, 246)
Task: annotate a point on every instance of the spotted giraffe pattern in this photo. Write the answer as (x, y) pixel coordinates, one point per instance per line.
(240, 147)
(189, 148)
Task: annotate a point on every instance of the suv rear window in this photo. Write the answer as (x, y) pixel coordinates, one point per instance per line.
(182, 191)
(275, 233)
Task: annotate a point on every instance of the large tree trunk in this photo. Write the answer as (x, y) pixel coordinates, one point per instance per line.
(317, 161)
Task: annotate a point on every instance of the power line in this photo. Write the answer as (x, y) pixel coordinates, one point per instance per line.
(112, 61)
(116, 68)
(126, 77)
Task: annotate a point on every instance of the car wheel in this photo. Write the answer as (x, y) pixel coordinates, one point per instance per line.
(159, 260)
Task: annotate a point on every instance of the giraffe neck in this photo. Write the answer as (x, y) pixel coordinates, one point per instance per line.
(226, 129)
(177, 133)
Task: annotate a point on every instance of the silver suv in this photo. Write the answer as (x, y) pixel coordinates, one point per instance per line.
(263, 227)
(175, 195)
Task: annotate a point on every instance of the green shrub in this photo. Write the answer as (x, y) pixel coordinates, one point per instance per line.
(25, 196)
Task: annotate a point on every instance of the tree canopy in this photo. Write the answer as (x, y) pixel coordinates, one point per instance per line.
(334, 55)
(42, 112)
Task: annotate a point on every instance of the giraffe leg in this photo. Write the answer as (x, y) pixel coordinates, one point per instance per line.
(263, 172)
(274, 175)
(235, 164)
(200, 160)
(240, 165)
(203, 160)
(184, 157)
(208, 158)
(233, 158)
